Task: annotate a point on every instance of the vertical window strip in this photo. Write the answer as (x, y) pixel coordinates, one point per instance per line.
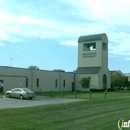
(64, 83)
(37, 83)
(26, 82)
(56, 83)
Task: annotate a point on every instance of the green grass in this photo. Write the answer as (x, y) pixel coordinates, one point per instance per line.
(1, 94)
(97, 113)
(86, 95)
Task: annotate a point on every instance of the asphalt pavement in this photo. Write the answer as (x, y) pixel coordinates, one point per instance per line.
(38, 100)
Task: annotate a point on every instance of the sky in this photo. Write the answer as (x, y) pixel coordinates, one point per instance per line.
(45, 33)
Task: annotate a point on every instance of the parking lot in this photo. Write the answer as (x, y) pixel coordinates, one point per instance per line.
(38, 100)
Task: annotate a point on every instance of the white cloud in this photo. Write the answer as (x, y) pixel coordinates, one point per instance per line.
(24, 26)
(18, 49)
(110, 11)
(120, 45)
(127, 59)
(22, 19)
(4, 17)
(2, 44)
(95, 16)
(70, 43)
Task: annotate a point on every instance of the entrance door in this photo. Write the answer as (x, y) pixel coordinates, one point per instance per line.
(73, 87)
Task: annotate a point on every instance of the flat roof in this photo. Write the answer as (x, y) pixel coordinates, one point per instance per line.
(55, 70)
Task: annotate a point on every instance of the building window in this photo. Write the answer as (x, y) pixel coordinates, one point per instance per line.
(1, 83)
(37, 83)
(104, 81)
(1, 86)
(86, 86)
(26, 82)
(56, 83)
(104, 46)
(89, 46)
(63, 83)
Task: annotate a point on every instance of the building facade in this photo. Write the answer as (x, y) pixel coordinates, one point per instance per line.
(37, 80)
(92, 62)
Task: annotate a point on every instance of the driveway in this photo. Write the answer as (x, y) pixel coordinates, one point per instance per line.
(38, 100)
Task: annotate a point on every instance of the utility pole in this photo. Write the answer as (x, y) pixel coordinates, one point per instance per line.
(11, 61)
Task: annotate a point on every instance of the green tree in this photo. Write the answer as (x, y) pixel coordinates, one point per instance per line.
(118, 80)
(128, 86)
(32, 67)
(85, 82)
(126, 82)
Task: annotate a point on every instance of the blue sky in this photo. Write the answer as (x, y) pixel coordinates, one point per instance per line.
(45, 32)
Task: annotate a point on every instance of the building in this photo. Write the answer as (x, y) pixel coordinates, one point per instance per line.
(117, 71)
(92, 61)
(37, 80)
(128, 75)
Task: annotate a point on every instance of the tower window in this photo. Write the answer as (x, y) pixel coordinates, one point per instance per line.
(104, 46)
(89, 46)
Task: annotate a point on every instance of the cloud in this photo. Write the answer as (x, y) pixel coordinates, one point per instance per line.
(108, 11)
(42, 27)
(70, 43)
(22, 26)
(2, 44)
(65, 20)
(127, 59)
(18, 49)
(120, 44)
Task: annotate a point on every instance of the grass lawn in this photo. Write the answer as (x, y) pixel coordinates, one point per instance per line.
(86, 95)
(1, 94)
(97, 113)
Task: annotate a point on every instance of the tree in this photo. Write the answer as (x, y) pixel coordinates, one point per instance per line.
(32, 67)
(118, 80)
(85, 82)
(128, 85)
(126, 82)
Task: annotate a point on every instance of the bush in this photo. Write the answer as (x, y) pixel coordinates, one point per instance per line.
(111, 89)
(1, 89)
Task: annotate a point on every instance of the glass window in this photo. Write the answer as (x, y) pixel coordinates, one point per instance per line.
(26, 82)
(37, 82)
(19, 90)
(63, 83)
(104, 81)
(56, 83)
(89, 46)
(104, 46)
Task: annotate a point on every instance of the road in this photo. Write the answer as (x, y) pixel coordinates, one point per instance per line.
(38, 100)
